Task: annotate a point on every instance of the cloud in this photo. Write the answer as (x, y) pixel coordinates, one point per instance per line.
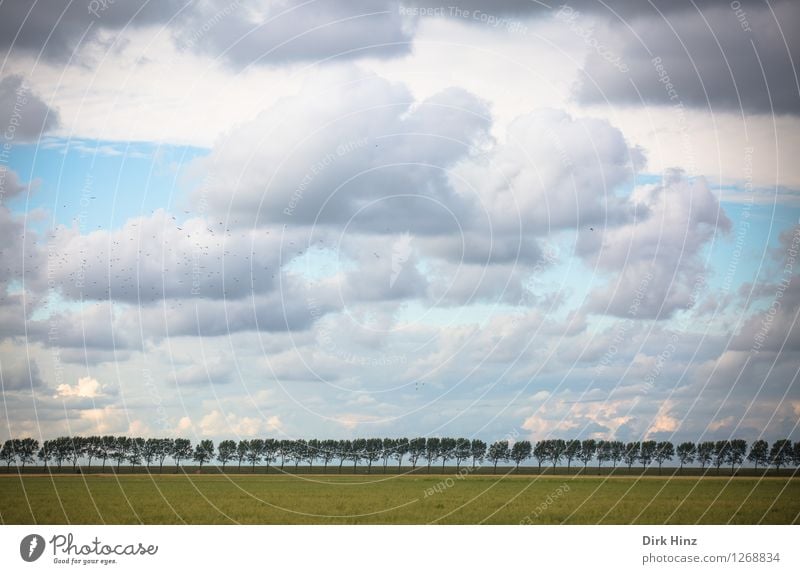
(21, 258)
(352, 421)
(553, 172)
(655, 259)
(709, 60)
(214, 372)
(561, 418)
(109, 420)
(242, 33)
(56, 32)
(19, 374)
(529, 8)
(663, 424)
(24, 116)
(772, 328)
(217, 424)
(245, 33)
(351, 149)
(86, 387)
(10, 185)
(721, 424)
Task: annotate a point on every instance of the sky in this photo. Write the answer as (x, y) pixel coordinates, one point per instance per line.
(336, 219)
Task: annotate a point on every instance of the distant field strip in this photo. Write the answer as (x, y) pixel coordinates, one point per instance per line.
(391, 499)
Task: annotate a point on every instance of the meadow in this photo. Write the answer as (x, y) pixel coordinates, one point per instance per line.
(396, 499)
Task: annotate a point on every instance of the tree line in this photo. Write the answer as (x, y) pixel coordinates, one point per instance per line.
(138, 451)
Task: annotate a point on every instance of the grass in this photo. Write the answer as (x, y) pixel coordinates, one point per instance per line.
(348, 469)
(390, 499)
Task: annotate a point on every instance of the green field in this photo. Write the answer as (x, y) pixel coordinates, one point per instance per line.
(377, 499)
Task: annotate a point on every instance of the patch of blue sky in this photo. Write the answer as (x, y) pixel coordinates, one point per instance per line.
(318, 263)
(97, 184)
(14, 287)
(56, 303)
(747, 253)
(415, 312)
(756, 228)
